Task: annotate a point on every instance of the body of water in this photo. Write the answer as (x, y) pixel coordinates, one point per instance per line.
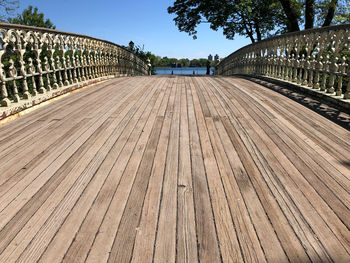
(183, 71)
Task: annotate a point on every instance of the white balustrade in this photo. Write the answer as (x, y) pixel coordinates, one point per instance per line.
(315, 58)
(34, 61)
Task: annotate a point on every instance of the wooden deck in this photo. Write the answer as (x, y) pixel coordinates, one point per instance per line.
(169, 169)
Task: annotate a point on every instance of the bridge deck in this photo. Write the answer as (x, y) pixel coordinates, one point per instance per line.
(174, 168)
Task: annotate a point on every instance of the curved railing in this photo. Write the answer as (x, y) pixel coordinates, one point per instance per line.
(316, 59)
(37, 63)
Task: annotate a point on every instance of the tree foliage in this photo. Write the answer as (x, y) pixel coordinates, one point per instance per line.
(7, 7)
(252, 18)
(31, 17)
(257, 19)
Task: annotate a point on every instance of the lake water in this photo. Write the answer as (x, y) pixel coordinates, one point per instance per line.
(183, 71)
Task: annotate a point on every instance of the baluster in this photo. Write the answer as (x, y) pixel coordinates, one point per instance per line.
(342, 68)
(318, 68)
(295, 68)
(4, 95)
(74, 69)
(89, 67)
(325, 72)
(54, 70)
(47, 70)
(306, 66)
(83, 67)
(64, 65)
(333, 69)
(13, 75)
(300, 69)
(59, 73)
(42, 89)
(26, 94)
(93, 66)
(78, 68)
(69, 70)
(31, 71)
(311, 70)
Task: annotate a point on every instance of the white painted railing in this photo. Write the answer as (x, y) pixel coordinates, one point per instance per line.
(39, 62)
(317, 59)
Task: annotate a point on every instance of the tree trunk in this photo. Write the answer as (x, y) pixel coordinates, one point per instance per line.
(249, 30)
(250, 34)
(330, 14)
(291, 15)
(257, 30)
(309, 13)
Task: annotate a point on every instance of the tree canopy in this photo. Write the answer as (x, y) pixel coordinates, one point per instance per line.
(31, 17)
(257, 19)
(7, 7)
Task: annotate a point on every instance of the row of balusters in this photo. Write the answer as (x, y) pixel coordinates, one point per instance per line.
(325, 69)
(30, 79)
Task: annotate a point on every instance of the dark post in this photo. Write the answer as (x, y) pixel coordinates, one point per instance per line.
(208, 67)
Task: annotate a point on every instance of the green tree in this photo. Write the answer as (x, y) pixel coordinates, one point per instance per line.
(184, 62)
(251, 18)
(257, 19)
(315, 13)
(31, 17)
(7, 7)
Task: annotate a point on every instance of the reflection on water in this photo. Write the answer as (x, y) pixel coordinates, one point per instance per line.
(183, 71)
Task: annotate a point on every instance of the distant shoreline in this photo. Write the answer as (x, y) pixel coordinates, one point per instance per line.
(181, 67)
(183, 71)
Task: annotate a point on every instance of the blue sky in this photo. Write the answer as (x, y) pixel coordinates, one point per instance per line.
(146, 22)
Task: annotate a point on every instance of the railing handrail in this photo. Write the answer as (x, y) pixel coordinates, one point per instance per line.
(316, 60)
(289, 34)
(37, 64)
(50, 30)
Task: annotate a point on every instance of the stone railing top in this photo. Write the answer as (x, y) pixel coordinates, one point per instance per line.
(39, 63)
(287, 35)
(49, 30)
(315, 60)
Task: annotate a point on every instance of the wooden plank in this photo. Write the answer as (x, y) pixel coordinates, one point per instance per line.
(87, 167)
(208, 247)
(224, 150)
(332, 165)
(30, 149)
(24, 123)
(338, 251)
(319, 133)
(165, 243)
(125, 237)
(322, 171)
(106, 230)
(70, 189)
(11, 199)
(305, 234)
(60, 244)
(146, 231)
(229, 246)
(297, 108)
(186, 246)
(253, 189)
(309, 170)
(174, 169)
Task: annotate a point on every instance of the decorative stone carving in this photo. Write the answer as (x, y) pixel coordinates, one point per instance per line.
(317, 58)
(48, 59)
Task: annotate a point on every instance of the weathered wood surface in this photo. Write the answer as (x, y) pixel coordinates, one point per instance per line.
(169, 169)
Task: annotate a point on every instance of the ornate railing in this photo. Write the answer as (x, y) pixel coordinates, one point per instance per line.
(39, 62)
(317, 59)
